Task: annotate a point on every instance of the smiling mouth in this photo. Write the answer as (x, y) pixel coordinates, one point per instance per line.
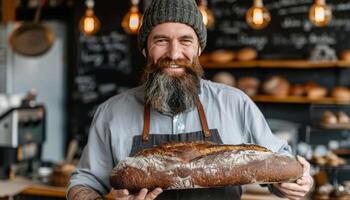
(173, 69)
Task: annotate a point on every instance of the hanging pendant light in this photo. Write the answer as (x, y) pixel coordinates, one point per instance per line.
(132, 20)
(208, 17)
(258, 17)
(89, 23)
(320, 14)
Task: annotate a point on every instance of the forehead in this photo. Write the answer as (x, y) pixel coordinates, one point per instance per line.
(172, 29)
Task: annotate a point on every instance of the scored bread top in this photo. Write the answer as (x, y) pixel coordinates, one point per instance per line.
(187, 151)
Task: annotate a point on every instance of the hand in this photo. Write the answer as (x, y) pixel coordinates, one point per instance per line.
(142, 195)
(301, 187)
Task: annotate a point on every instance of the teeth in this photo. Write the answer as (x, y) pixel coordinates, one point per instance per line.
(173, 66)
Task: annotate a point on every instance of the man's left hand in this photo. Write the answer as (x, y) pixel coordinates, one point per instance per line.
(301, 187)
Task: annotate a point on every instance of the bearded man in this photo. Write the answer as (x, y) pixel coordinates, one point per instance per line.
(174, 103)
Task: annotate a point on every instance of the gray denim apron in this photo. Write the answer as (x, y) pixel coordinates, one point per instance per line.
(149, 140)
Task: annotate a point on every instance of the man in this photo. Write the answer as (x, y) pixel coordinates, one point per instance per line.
(173, 104)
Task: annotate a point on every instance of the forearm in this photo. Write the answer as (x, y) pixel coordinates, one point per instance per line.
(80, 192)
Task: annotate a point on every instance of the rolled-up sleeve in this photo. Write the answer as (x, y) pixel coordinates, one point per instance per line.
(260, 132)
(96, 161)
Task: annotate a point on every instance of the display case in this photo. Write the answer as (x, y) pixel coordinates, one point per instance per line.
(328, 136)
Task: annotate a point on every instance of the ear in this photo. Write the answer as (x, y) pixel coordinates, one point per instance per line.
(199, 51)
(144, 52)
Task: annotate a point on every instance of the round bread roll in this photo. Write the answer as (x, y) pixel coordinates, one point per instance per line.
(297, 90)
(345, 55)
(341, 93)
(276, 86)
(310, 85)
(317, 92)
(225, 78)
(340, 193)
(343, 118)
(249, 85)
(204, 58)
(247, 54)
(222, 56)
(329, 118)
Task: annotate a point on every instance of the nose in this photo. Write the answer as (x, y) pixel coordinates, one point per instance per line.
(174, 51)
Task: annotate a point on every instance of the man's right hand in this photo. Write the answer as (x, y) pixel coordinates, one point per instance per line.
(142, 195)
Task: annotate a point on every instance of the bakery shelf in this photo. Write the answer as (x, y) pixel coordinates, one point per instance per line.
(293, 64)
(301, 100)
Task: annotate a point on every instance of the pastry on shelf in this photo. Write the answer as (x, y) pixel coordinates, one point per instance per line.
(316, 92)
(276, 86)
(249, 85)
(340, 120)
(222, 56)
(247, 54)
(309, 85)
(334, 161)
(319, 160)
(203, 58)
(330, 159)
(224, 78)
(345, 55)
(322, 192)
(341, 93)
(329, 117)
(297, 90)
(343, 118)
(340, 193)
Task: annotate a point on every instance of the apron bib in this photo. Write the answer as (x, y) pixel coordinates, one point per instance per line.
(147, 140)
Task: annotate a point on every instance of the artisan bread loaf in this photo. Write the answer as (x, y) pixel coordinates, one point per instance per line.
(203, 165)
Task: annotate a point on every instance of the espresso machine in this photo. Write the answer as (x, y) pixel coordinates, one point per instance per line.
(22, 132)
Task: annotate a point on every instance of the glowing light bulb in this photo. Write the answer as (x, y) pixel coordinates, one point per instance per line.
(320, 14)
(132, 20)
(207, 15)
(258, 17)
(89, 24)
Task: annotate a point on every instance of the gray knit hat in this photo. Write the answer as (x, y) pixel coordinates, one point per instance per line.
(183, 11)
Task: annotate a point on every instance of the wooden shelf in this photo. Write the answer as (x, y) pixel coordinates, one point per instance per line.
(293, 64)
(298, 100)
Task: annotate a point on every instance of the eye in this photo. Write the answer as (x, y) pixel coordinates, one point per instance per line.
(161, 41)
(186, 42)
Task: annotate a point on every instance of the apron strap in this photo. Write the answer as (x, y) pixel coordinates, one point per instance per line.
(147, 120)
(203, 118)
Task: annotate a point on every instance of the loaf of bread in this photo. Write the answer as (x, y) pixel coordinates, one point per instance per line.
(202, 165)
(276, 86)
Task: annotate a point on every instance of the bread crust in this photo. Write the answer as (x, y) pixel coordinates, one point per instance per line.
(202, 164)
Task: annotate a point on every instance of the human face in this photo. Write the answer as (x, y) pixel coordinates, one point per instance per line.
(172, 41)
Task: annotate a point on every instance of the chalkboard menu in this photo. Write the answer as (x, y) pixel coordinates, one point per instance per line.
(290, 34)
(104, 51)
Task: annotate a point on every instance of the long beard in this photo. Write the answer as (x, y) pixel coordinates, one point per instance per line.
(172, 94)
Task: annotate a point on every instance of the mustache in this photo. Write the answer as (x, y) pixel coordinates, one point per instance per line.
(167, 62)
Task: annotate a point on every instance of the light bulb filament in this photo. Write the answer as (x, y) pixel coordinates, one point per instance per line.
(258, 18)
(319, 14)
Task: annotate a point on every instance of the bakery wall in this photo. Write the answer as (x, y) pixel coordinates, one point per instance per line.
(290, 36)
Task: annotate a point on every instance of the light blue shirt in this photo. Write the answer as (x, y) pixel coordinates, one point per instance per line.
(119, 119)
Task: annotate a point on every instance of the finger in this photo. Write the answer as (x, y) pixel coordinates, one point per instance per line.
(142, 194)
(153, 194)
(294, 187)
(296, 194)
(302, 181)
(120, 193)
(304, 163)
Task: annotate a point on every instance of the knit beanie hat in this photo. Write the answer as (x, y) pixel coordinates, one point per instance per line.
(182, 11)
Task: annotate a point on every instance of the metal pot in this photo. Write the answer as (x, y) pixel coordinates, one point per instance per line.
(32, 38)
